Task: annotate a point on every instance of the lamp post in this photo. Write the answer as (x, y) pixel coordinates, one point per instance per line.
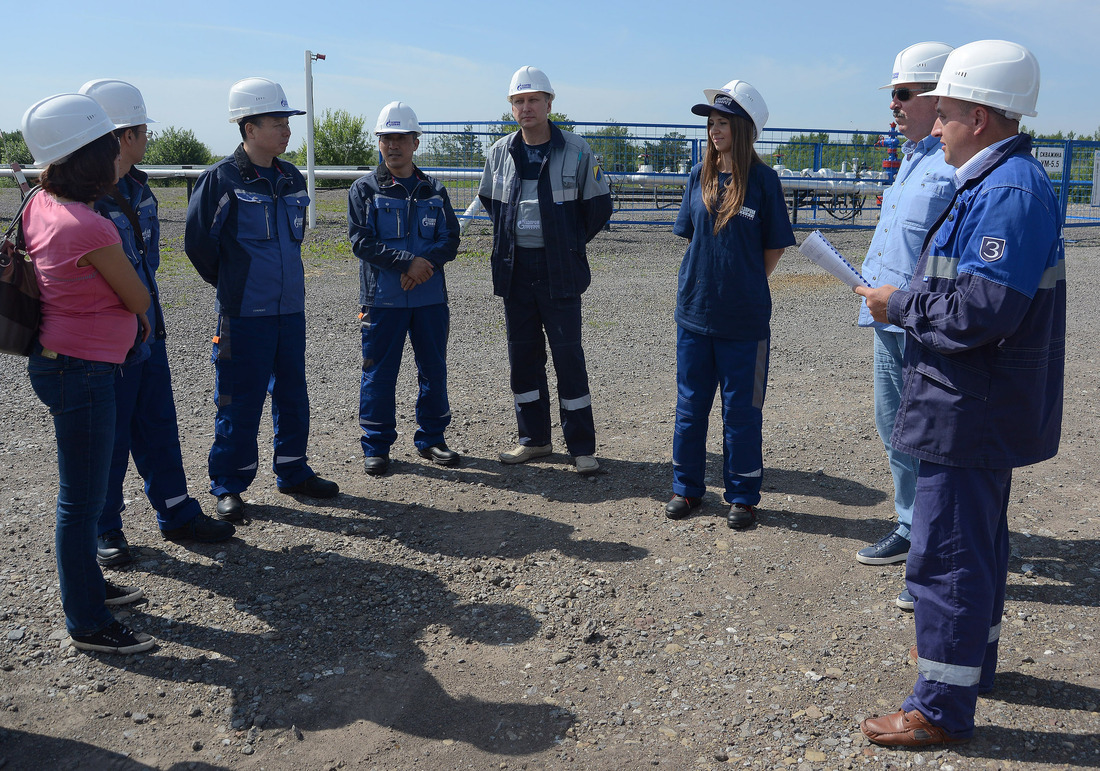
(311, 182)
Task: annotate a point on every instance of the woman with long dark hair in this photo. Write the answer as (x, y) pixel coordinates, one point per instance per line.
(89, 294)
(735, 218)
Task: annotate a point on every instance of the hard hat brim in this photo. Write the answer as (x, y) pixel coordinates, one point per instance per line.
(276, 113)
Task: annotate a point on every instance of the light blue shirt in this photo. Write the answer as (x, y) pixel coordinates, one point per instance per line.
(921, 191)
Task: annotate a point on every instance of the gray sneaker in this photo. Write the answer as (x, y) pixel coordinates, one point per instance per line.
(525, 452)
(587, 464)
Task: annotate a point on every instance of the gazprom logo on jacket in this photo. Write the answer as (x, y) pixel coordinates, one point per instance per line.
(428, 222)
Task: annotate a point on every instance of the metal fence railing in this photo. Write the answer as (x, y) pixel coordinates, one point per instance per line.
(830, 178)
(647, 166)
(1074, 168)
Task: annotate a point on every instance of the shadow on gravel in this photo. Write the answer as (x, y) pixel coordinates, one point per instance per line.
(338, 640)
(1069, 562)
(22, 749)
(1051, 749)
(465, 534)
(552, 477)
(1021, 688)
(820, 485)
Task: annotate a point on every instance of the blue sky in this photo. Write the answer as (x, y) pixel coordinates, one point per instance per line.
(817, 65)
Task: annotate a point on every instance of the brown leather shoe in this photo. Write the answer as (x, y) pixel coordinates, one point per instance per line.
(904, 729)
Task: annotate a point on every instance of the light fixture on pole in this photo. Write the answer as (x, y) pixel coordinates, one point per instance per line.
(311, 182)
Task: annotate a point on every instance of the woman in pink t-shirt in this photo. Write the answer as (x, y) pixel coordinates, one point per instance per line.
(90, 295)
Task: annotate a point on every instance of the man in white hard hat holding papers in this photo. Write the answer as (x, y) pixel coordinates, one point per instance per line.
(920, 192)
(245, 224)
(547, 198)
(985, 324)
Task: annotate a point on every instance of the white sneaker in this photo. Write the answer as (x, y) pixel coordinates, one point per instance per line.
(525, 452)
(587, 464)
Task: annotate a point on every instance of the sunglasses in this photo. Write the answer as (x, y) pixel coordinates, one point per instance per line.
(905, 94)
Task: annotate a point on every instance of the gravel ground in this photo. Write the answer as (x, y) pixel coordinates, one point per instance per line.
(527, 617)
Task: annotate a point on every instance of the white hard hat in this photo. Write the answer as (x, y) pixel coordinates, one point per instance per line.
(58, 126)
(995, 73)
(529, 79)
(123, 102)
(738, 97)
(257, 96)
(397, 118)
(919, 63)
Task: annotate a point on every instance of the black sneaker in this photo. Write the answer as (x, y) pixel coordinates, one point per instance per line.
(202, 528)
(314, 487)
(114, 638)
(112, 551)
(122, 595)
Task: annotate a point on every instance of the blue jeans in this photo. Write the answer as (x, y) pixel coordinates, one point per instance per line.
(81, 397)
(739, 368)
(254, 356)
(383, 335)
(145, 425)
(889, 352)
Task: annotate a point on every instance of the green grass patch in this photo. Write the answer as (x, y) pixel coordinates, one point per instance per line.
(173, 260)
(318, 248)
(473, 256)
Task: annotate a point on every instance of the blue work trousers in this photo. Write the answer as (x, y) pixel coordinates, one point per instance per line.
(529, 312)
(81, 397)
(739, 369)
(383, 333)
(889, 380)
(252, 357)
(956, 571)
(145, 426)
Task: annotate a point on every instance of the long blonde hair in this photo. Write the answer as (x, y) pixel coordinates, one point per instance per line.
(742, 135)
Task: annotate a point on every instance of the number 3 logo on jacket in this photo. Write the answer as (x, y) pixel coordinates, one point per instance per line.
(992, 249)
